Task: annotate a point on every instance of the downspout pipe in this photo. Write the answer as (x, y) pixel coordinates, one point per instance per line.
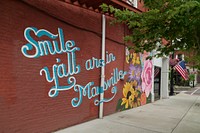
(103, 67)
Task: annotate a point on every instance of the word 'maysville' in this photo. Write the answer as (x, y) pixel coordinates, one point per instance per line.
(56, 45)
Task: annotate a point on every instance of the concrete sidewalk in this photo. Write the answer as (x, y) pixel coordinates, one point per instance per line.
(178, 114)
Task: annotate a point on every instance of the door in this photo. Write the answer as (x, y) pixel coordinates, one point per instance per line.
(157, 79)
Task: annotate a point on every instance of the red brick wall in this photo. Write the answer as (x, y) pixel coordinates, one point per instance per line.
(141, 6)
(24, 102)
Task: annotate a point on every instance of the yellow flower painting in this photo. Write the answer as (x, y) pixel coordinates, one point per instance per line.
(129, 95)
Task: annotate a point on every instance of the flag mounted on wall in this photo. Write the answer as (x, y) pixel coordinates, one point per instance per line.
(181, 68)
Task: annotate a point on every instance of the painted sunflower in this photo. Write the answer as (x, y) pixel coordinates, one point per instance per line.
(134, 84)
(129, 95)
(137, 99)
(135, 59)
(129, 58)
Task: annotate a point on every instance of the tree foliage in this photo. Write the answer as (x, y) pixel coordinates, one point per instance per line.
(176, 21)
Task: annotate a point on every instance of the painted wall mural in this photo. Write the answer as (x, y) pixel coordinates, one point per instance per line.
(55, 44)
(136, 90)
(138, 86)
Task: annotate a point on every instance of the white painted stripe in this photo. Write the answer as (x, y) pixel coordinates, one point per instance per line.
(194, 91)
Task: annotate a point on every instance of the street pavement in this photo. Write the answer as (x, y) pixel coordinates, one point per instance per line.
(178, 114)
(194, 91)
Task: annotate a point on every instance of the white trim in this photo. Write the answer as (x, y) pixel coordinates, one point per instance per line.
(134, 3)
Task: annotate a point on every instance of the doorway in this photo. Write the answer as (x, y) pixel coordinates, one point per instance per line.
(157, 81)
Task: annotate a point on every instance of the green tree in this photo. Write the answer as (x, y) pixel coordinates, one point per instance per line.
(176, 21)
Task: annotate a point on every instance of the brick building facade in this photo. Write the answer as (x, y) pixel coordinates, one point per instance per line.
(51, 61)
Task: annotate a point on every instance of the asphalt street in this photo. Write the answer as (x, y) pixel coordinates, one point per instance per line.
(193, 91)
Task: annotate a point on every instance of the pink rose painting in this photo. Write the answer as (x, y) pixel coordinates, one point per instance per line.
(146, 77)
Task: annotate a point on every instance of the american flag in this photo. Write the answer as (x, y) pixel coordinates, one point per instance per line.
(181, 68)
